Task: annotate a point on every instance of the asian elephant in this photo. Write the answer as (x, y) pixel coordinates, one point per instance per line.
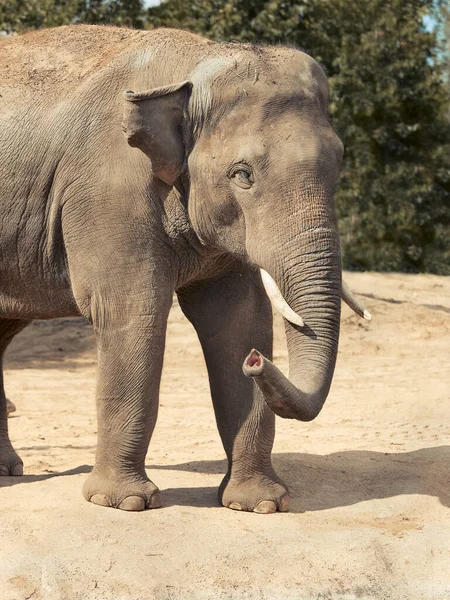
(136, 164)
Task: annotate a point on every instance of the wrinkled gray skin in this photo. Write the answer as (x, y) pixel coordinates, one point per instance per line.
(111, 202)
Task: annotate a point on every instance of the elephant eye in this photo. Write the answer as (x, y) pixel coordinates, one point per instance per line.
(242, 176)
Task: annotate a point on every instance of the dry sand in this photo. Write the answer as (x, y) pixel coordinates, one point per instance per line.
(369, 478)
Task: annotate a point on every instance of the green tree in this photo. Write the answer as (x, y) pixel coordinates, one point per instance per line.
(387, 102)
(17, 16)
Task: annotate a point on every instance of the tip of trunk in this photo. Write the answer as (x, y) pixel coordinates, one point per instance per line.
(283, 397)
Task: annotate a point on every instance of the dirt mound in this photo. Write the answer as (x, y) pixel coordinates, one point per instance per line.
(369, 478)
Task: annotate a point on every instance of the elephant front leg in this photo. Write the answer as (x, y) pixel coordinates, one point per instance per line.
(130, 356)
(231, 316)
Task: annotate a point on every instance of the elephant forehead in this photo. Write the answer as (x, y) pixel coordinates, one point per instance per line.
(257, 143)
(272, 111)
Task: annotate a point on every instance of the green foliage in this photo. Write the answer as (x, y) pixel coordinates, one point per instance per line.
(22, 15)
(387, 103)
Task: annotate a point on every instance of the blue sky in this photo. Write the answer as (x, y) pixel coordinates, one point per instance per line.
(428, 21)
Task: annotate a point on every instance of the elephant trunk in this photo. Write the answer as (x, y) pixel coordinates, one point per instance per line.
(311, 287)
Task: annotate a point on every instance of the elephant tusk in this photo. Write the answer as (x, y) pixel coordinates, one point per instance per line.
(276, 297)
(353, 303)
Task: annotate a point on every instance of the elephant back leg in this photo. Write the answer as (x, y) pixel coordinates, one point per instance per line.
(10, 462)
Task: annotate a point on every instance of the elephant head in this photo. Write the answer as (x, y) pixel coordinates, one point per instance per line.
(249, 129)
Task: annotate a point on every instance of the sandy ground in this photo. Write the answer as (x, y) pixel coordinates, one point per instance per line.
(369, 478)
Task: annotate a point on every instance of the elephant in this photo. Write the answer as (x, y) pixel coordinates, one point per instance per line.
(139, 164)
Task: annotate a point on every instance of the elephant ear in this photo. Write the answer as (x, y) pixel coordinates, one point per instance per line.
(152, 122)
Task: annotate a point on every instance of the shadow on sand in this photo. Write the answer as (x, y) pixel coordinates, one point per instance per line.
(53, 344)
(316, 482)
(319, 482)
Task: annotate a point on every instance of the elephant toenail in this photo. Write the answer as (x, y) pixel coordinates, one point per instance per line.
(100, 499)
(235, 506)
(155, 501)
(18, 470)
(132, 503)
(284, 504)
(265, 507)
(4, 470)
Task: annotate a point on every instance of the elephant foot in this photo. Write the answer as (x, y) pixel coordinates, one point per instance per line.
(257, 493)
(10, 461)
(126, 493)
